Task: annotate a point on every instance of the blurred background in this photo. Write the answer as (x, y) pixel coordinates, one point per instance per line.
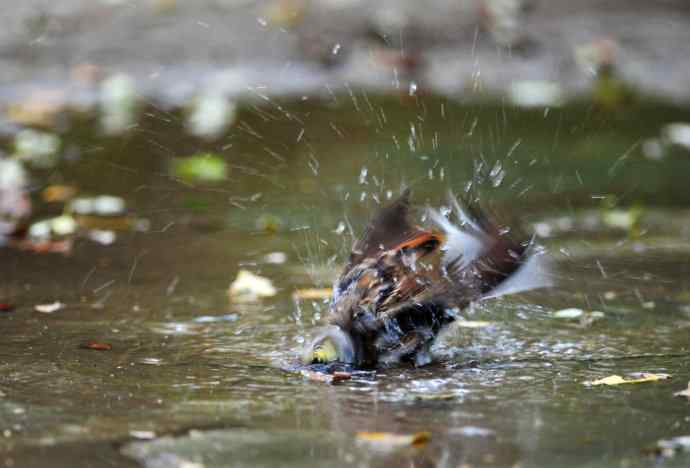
(180, 183)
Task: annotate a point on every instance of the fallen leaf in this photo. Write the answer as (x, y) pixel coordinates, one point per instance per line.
(249, 287)
(684, 393)
(391, 441)
(618, 380)
(96, 346)
(312, 293)
(49, 308)
(5, 307)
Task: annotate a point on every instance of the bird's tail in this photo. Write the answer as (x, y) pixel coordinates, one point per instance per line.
(483, 259)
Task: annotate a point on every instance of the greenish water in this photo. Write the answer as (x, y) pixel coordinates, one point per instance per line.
(204, 377)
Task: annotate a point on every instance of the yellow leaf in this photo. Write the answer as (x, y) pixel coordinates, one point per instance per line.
(618, 380)
(388, 440)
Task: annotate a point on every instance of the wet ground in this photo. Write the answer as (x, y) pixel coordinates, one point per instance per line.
(176, 49)
(193, 379)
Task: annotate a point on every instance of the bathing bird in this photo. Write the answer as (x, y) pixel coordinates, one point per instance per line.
(404, 283)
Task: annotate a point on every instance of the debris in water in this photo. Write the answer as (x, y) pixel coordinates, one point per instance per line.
(276, 258)
(15, 204)
(103, 237)
(146, 435)
(570, 313)
(684, 393)
(312, 293)
(669, 448)
(269, 223)
(49, 308)
(641, 377)
(211, 115)
(536, 94)
(473, 324)
(45, 230)
(42, 108)
(58, 193)
(118, 101)
(335, 377)
(249, 287)
(96, 345)
(387, 441)
(37, 148)
(677, 134)
(202, 167)
(622, 219)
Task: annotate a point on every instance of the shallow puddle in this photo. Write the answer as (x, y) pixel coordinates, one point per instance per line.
(195, 379)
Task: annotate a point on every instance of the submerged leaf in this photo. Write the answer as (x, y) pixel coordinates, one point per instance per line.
(618, 380)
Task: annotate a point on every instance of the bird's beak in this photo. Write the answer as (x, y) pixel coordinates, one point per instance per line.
(329, 344)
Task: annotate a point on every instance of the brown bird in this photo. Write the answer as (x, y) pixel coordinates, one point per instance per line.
(404, 283)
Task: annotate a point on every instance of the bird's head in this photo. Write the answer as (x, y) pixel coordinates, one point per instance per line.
(329, 344)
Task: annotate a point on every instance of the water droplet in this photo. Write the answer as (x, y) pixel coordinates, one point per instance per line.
(363, 176)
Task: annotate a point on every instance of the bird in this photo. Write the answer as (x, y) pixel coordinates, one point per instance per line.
(405, 283)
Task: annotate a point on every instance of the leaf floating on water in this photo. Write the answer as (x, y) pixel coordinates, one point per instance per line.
(392, 441)
(49, 308)
(312, 293)
(95, 345)
(618, 380)
(684, 393)
(249, 287)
